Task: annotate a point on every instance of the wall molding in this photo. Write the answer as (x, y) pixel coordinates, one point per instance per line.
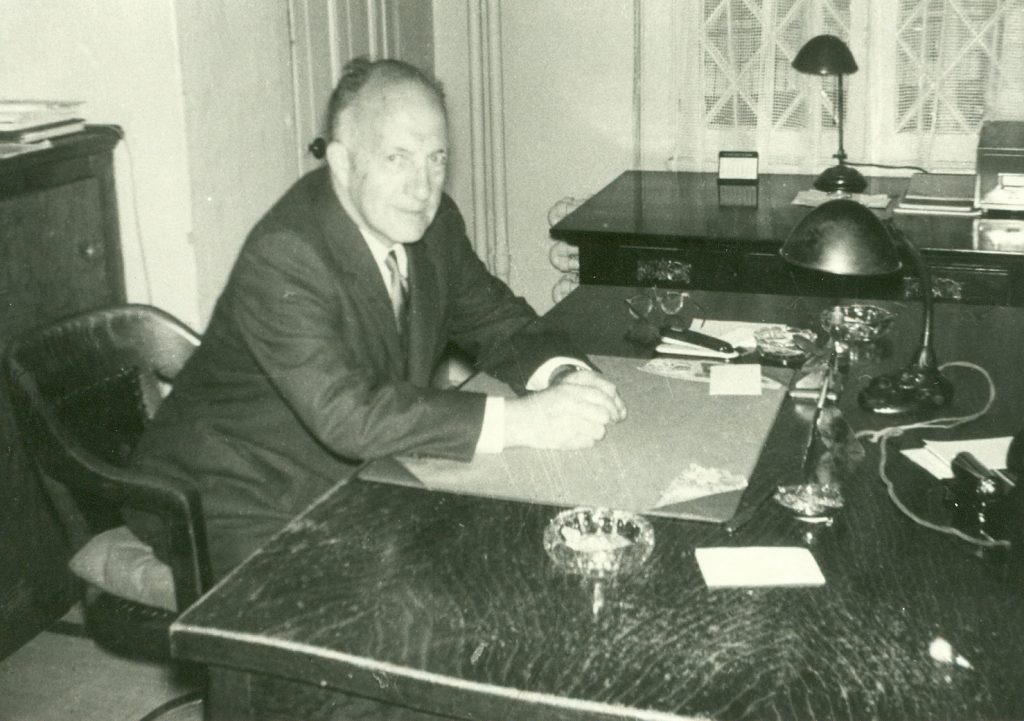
(487, 132)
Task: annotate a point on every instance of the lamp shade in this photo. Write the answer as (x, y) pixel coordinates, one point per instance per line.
(842, 237)
(825, 55)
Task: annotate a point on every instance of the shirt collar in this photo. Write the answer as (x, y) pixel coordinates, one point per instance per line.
(380, 254)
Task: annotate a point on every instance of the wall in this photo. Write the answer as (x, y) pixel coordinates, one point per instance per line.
(203, 88)
(567, 70)
(203, 91)
(121, 58)
(239, 111)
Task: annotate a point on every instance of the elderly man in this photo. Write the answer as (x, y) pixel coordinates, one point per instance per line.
(321, 348)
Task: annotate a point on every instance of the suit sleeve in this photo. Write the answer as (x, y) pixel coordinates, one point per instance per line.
(308, 334)
(497, 328)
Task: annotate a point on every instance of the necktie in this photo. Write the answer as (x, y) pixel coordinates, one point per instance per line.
(398, 291)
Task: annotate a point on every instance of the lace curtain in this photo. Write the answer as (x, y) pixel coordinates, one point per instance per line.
(930, 72)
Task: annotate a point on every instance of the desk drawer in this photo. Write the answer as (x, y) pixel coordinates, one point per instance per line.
(963, 283)
(642, 266)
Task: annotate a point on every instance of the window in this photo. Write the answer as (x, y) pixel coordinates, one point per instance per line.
(930, 71)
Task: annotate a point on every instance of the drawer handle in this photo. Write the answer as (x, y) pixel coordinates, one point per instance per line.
(663, 270)
(944, 288)
(89, 251)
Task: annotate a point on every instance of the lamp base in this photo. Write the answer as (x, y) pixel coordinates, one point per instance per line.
(915, 388)
(840, 178)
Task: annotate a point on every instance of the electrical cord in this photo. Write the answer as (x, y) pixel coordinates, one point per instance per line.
(881, 437)
(888, 167)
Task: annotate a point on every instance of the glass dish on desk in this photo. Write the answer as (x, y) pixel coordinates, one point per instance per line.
(598, 543)
(857, 323)
(778, 345)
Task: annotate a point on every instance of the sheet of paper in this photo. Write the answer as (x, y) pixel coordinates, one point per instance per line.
(736, 380)
(758, 566)
(929, 461)
(814, 198)
(936, 457)
(691, 369)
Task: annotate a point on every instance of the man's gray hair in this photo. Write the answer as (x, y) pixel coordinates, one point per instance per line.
(359, 71)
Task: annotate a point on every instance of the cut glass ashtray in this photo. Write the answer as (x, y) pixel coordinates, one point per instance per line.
(811, 502)
(598, 542)
(777, 345)
(857, 323)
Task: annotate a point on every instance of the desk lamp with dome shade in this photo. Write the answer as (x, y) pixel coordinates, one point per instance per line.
(828, 55)
(845, 238)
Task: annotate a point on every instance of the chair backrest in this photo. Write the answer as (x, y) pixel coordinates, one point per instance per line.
(83, 390)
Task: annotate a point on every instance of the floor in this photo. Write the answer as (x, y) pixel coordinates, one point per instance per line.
(60, 675)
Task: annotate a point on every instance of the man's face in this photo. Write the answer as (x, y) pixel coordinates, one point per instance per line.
(389, 168)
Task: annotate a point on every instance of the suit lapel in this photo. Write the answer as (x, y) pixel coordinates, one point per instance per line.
(355, 262)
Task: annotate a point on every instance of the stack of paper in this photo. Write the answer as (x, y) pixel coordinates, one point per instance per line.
(938, 194)
(32, 121)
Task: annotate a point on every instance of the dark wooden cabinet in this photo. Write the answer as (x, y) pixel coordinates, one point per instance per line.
(670, 229)
(60, 253)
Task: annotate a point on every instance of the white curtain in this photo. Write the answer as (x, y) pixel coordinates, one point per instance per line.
(930, 71)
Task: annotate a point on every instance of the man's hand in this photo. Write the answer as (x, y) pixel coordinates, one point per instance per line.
(572, 414)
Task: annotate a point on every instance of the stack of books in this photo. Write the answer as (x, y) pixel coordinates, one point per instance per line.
(938, 194)
(27, 125)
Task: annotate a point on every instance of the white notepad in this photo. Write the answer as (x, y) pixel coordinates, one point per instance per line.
(758, 566)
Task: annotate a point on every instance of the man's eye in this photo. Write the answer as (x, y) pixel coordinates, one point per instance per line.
(440, 160)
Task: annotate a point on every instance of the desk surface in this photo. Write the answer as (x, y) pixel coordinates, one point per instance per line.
(448, 603)
(664, 206)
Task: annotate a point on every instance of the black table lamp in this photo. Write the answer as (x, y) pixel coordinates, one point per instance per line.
(828, 55)
(844, 237)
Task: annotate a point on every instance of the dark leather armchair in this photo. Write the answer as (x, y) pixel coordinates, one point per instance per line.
(83, 390)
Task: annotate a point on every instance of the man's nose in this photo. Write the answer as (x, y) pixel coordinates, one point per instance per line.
(419, 183)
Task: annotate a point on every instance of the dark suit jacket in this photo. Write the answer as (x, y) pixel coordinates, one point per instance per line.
(301, 373)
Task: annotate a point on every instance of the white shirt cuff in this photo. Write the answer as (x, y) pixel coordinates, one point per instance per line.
(541, 377)
(492, 433)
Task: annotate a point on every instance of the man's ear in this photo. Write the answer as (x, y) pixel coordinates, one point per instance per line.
(339, 162)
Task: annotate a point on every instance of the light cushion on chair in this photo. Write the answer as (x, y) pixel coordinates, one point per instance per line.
(117, 562)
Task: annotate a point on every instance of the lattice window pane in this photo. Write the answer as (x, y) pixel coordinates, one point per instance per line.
(948, 51)
(930, 72)
(747, 51)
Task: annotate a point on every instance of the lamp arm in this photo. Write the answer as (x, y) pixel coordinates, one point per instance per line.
(925, 354)
(841, 154)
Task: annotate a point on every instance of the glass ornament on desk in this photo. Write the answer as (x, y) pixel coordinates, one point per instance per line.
(819, 496)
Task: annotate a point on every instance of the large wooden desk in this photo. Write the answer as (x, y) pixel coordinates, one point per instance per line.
(448, 603)
(651, 227)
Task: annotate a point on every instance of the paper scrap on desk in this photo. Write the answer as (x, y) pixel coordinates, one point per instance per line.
(936, 457)
(697, 481)
(736, 380)
(758, 566)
